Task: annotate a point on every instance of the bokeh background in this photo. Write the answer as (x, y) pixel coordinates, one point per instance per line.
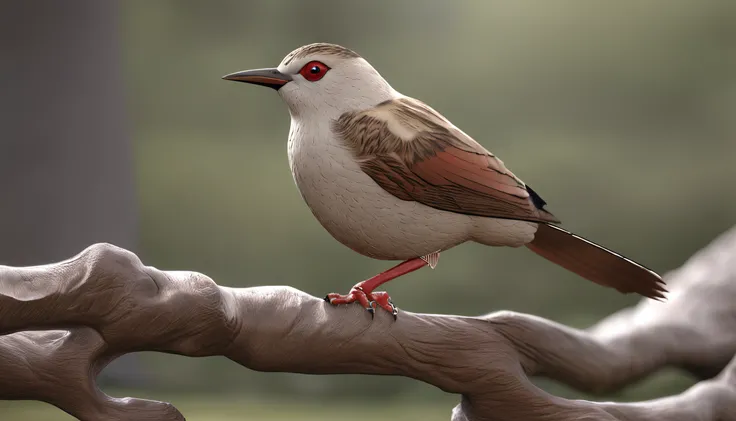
(117, 127)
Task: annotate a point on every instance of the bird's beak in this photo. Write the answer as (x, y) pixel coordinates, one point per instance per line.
(264, 77)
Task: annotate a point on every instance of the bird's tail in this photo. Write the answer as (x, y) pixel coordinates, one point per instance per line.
(595, 263)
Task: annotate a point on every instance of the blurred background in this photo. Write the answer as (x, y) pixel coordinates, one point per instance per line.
(115, 126)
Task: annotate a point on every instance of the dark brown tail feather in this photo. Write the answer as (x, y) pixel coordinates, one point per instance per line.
(595, 263)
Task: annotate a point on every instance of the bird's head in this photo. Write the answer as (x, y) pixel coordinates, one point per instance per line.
(322, 79)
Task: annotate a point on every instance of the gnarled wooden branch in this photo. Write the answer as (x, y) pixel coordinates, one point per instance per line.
(104, 303)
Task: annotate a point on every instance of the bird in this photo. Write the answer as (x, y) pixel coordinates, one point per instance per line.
(393, 179)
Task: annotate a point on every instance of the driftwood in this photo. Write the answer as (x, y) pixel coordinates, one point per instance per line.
(104, 303)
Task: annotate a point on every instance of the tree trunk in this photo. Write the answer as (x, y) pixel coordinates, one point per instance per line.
(66, 173)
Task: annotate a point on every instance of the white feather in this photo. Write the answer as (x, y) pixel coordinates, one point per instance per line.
(352, 207)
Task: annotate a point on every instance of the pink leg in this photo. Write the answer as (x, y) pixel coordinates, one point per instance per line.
(363, 291)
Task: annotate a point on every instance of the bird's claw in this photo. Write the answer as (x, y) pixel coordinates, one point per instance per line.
(394, 310)
(371, 307)
(370, 301)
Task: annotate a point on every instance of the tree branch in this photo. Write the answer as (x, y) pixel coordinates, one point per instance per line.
(104, 303)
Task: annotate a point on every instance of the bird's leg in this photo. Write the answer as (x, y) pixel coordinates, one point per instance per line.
(363, 291)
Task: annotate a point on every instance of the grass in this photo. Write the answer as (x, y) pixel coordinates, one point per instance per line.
(427, 405)
(232, 408)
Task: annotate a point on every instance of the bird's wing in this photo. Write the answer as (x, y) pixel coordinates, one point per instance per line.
(414, 153)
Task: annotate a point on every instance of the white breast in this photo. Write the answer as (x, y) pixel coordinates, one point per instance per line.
(361, 215)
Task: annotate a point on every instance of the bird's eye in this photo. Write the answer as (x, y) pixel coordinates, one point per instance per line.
(314, 71)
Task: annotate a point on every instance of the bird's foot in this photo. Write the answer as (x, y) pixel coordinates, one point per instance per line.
(369, 300)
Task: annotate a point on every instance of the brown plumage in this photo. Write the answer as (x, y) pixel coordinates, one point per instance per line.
(595, 263)
(442, 167)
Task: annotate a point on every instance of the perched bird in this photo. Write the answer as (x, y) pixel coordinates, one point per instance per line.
(392, 179)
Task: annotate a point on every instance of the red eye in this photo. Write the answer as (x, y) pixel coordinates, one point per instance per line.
(314, 71)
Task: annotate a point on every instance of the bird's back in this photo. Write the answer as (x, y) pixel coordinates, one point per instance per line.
(364, 216)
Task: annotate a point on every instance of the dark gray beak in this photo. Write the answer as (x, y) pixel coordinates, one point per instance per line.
(264, 77)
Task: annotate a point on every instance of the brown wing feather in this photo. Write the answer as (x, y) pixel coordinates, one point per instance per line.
(595, 263)
(440, 166)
